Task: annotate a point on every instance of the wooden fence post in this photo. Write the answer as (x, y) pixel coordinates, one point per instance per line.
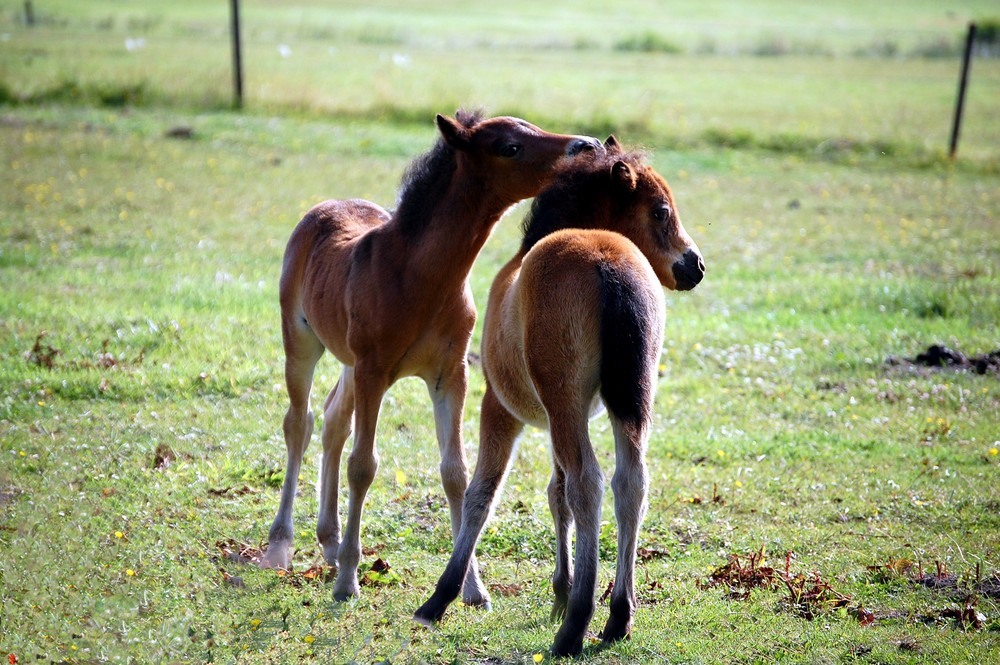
(962, 82)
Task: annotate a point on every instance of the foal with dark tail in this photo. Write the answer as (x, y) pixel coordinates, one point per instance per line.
(575, 319)
(388, 295)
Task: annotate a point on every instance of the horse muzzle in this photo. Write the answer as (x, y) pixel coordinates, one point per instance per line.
(689, 271)
(584, 144)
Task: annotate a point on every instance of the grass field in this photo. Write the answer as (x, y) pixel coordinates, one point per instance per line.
(141, 364)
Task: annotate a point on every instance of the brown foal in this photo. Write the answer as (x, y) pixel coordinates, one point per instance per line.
(573, 320)
(388, 296)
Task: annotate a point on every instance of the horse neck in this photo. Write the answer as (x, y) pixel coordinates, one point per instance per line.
(445, 249)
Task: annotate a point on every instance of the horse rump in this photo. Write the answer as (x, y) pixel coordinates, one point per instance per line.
(631, 335)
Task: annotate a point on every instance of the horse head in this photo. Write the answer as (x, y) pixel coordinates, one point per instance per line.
(518, 158)
(642, 208)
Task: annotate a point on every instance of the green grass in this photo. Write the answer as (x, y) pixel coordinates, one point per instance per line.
(142, 428)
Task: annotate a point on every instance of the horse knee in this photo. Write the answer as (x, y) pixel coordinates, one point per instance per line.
(455, 478)
(297, 425)
(336, 430)
(584, 491)
(361, 469)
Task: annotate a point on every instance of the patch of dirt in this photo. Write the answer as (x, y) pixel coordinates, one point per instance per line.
(810, 596)
(990, 587)
(163, 457)
(230, 491)
(938, 356)
(966, 617)
(938, 578)
(506, 589)
(180, 132)
(8, 494)
(237, 552)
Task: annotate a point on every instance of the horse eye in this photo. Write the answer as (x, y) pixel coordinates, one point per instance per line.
(662, 213)
(510, 150)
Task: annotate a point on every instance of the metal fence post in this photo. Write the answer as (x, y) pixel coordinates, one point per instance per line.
(237, 60)
(963, 81)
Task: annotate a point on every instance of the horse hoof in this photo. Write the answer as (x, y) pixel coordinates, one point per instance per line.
(426, 622)
(567, 645)
(615, 633)
(562, 650)
(275, 557)
(428, 614)
(344, 596)
(484, 604)
(619, 624)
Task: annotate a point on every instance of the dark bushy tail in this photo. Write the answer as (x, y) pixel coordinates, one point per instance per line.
(628, 315)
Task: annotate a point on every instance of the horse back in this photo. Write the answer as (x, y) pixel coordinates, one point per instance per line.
(317, 266)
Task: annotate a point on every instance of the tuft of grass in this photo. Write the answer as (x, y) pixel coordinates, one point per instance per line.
(100, 93)
(648, 42)
(940, 47)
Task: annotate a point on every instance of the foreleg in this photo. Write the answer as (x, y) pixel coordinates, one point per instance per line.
(448, 395)
(498, 432)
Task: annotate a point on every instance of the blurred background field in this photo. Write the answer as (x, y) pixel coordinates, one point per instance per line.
(142, 223)
(760, 71)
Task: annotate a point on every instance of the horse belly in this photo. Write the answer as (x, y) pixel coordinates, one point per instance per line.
(504, 365)
(545, 355)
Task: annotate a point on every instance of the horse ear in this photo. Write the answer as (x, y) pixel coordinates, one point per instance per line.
(454, 134)
(623, 174)
(612, 144)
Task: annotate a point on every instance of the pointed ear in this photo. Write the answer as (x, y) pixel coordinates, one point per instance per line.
(623, 175)
(454, 134)
(612, 144)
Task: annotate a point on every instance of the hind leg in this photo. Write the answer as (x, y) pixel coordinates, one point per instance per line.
(562, 516)
(630, 485)
(338, 421)
(362, 463)
(573, 453)
(302, 351)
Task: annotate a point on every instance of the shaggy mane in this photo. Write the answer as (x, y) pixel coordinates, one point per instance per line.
(426, 179)
(576, 191)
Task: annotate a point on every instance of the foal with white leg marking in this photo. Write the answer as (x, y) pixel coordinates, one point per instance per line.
(576, 318)
(388, 295)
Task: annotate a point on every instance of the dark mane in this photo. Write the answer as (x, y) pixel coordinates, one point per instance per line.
(576, 192)
(426, 179)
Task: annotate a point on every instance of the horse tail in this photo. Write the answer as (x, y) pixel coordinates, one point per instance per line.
(629, 329)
